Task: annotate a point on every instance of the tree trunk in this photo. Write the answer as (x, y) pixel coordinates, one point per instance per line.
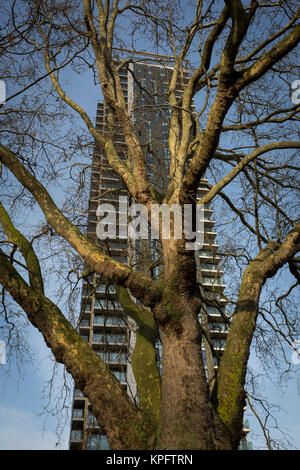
(188, 418)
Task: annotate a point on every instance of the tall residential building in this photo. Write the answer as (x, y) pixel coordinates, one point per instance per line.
(102, 322)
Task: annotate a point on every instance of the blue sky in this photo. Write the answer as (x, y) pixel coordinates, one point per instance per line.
(23, 424)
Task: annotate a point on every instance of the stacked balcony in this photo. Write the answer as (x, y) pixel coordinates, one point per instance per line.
(210, 278)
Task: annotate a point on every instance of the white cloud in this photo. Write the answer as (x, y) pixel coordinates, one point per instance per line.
(21, 430)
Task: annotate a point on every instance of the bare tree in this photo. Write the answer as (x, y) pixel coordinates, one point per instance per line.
(243, 135)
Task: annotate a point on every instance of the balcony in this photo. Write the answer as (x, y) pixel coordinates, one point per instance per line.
(76, 435)
(215, 296)
(84, 330)
(114, 358)
(92, 421)
(97, 442)
(121, 376)
(211, 269)
(213, 282)
(106, 304)
(208, 254)
(110, 339)
(103, 321)
(209, 235)
(78, 414)
(246, 426)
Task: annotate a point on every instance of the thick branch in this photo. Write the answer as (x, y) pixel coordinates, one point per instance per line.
(234, 208)
(243, 163)
(104, 141)
(269, 119)
(18, 239)
(229, 88)
(240, 24)
(123, 423)
(141, 286)
(271, 57)
(114, 97)
(179, 158)
(143, 358)
(232, 369)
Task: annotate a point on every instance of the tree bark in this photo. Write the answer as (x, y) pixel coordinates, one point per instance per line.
(188, 420)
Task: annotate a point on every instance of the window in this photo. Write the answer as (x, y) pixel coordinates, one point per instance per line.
(120, 375)
(219, 343)
(77, 413)
(109, 338)
(108, 321)
(92, 420)
(221, 327)
(211, 267)
(97, 442)
(76, 435)
(212, 310)
(105, 303)
(93, 442)
(103, 288)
